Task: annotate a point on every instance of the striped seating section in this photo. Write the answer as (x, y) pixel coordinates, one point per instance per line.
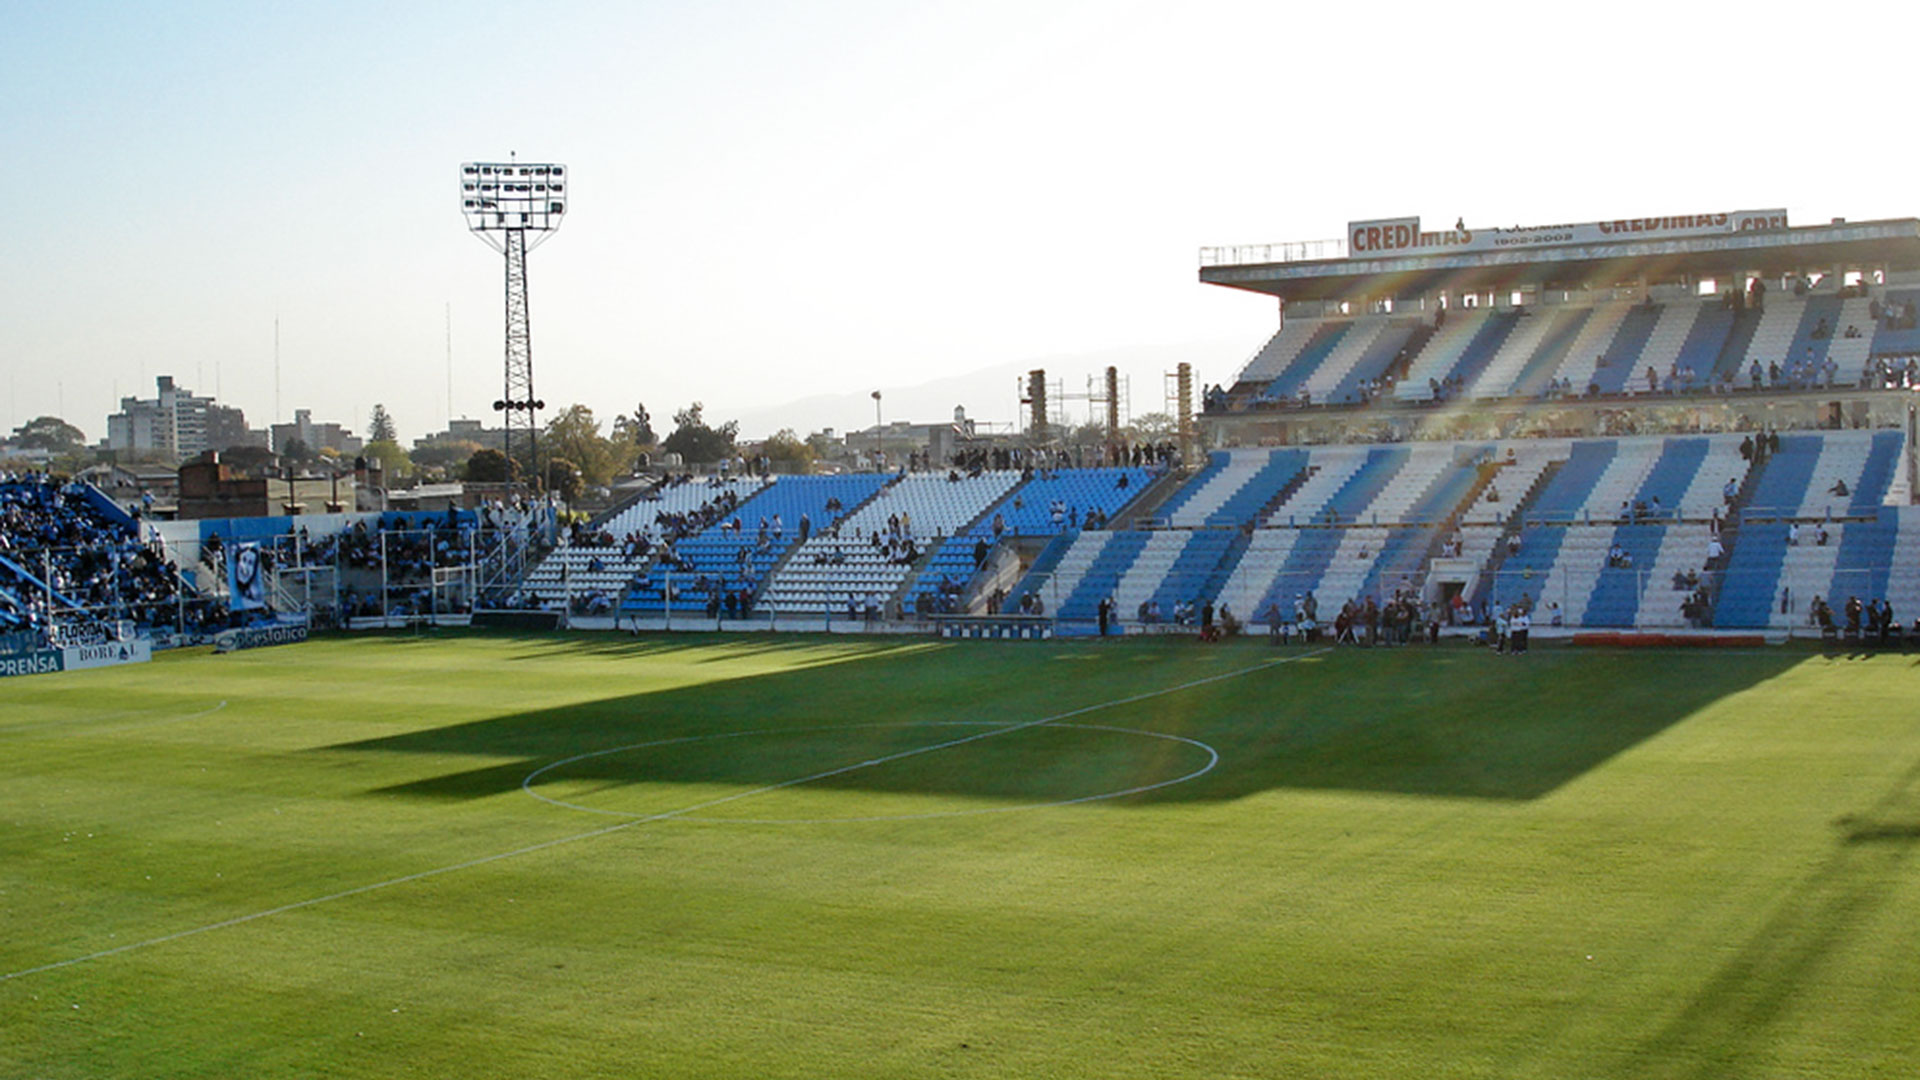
(731, 559)
(1279, 351)
(1029, 511)
(1260, 527)
(824, 572)
(1443, 352)
(1498, 353)
(1373, 363)
(643, 515)
(576, 570)
(1227, 472)
(1626, 354)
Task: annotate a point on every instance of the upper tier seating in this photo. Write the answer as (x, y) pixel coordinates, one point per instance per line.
(1279, 351)
(1690, 345)
(1353, 346)
(1435, 362)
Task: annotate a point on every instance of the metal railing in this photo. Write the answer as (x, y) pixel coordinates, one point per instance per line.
(1285, 252)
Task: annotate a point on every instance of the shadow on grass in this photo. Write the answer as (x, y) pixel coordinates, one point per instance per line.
(1448, 722)
(1729, 1029)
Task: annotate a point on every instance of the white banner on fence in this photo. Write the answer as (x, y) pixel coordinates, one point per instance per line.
(287, 632)
(1389, 236)
(108, 654)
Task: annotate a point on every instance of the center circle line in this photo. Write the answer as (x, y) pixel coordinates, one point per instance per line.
(1213, 759)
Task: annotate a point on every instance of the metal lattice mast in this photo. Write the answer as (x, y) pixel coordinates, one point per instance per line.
(519, 404)
(513, 207)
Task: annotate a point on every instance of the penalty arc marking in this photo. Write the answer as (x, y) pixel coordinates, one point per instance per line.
(622, 826)
(1213, 759)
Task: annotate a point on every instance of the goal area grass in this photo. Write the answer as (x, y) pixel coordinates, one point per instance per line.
(507, 855)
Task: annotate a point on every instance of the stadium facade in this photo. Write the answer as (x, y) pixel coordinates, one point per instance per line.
(1742, 320)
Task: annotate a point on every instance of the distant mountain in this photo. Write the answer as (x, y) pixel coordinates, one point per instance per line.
(992, 395)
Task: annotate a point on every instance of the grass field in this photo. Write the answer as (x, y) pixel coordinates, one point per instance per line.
(520, 856)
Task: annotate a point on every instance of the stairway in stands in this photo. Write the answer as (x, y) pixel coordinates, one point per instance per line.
(1514, 522)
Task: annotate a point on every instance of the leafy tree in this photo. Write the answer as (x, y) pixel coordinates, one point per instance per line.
(393, 458)
(446, 454)
(380, 426)
(787, 453)
(574, 437)
(697, 443)
(1153, 427)
(297, 452)
(1092, 433)
(49, 433)
(635, 427)
(563, 479)
(491, 467)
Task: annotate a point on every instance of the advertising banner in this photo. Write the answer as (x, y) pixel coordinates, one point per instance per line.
(1394, 236)
(286, 632)
(108, 654)
(77, 657)
(37, 662)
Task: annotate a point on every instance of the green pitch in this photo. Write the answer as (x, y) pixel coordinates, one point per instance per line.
(525, 856)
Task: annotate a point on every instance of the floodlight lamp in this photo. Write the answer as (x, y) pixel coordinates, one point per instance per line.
(510, 204)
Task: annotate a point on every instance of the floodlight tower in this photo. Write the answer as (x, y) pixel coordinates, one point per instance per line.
(513, 206)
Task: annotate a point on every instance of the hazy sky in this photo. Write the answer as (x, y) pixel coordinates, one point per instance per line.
(778, 199)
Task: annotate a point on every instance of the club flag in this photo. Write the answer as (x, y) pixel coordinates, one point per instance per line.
(246, 578)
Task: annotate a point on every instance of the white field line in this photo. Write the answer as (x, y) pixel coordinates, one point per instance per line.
(51, 727)
(148, 724)
(1213, 759)
(666, 815)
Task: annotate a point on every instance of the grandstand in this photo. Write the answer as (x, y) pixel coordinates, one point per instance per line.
(74, 568)
(1701, 422)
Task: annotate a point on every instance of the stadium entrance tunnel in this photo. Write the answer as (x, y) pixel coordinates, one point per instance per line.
(1050, 723)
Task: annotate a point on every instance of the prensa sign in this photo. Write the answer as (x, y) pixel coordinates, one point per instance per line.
(77, 657)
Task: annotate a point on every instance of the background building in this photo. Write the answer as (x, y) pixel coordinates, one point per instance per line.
(178, 423)
(315, 437)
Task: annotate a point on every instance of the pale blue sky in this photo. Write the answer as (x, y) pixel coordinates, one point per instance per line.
(777, 199)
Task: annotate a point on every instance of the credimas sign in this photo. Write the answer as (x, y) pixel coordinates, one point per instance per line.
(1395, 236)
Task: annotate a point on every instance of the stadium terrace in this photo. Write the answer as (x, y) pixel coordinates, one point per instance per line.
(1700, 423)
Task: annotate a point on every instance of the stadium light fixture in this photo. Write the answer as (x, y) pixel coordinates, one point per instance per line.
(513, 207)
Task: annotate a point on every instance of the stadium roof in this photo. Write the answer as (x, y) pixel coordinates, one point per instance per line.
(1892, 245)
